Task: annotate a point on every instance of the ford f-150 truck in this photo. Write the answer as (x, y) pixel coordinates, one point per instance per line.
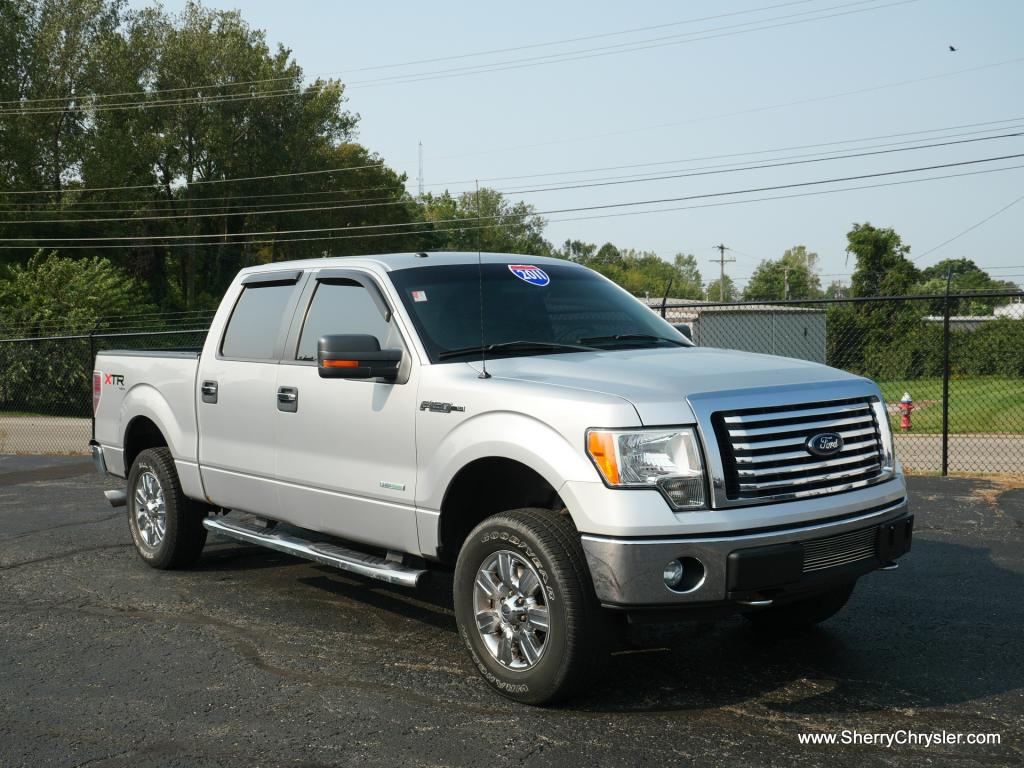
(574, 459)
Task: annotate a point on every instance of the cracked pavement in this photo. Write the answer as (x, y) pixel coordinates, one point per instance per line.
(254, 658)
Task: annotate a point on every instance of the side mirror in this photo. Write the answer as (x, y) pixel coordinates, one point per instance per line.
(684, 329)
(356, 356)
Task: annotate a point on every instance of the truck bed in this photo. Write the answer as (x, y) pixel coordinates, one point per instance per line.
(159, 385)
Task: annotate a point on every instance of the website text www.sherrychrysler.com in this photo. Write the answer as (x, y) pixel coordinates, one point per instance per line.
(900, 738)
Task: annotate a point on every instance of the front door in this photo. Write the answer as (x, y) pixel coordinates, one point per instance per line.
(346, 448)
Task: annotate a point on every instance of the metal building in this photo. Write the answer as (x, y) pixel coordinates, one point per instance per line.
(788, 331)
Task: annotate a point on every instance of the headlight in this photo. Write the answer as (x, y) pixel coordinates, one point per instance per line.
(666, 459)
(884, 427)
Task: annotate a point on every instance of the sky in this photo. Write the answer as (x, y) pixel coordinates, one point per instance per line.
(765, 81)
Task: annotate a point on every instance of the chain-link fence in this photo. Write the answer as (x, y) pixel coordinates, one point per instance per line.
(46, 385)
(959, 359)
(951, 368)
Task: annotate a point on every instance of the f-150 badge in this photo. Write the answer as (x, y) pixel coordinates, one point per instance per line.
(435, 407)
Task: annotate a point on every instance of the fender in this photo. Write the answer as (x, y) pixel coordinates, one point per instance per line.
(146, 400)
(507, 434)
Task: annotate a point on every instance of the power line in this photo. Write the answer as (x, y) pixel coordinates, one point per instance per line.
(641, 45)
(586, 185)
(476, 69)
(500, 225)
(604, 206)
(969, 229)
(171, 202)
(156, 186)
(740, 113)
(770, 151)
(404, 201)
(434, 60)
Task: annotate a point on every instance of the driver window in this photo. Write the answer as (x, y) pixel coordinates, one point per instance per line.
(342, 308)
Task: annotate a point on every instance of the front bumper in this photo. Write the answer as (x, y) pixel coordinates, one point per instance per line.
(747, 568)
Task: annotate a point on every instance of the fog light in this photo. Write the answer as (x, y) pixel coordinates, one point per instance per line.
(673, 574)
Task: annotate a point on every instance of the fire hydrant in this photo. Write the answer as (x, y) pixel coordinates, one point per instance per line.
(906, 408)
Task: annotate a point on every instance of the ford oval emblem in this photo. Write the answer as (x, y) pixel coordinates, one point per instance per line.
(825, 444)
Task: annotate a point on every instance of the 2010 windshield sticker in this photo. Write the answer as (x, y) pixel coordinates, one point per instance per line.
(529, 274)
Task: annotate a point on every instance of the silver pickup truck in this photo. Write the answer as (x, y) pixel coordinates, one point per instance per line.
(522, 421)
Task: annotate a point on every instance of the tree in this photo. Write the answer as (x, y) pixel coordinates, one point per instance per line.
(883, 268)
(228, 140)
(863, 336)
(484, 221)
(714, 290)
(48, 296)
(837, 289)
(966, 276)
(52, 294)
(55, 62)
(607, 256)
(642, 273)
(798, 255)
(576, 250)
(688, 280)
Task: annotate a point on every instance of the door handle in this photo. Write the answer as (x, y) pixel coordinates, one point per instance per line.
(208, 389)
(288, 399)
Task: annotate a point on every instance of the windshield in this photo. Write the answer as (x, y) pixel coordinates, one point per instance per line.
(554, 309)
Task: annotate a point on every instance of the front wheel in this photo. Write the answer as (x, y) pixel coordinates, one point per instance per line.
(526, 608)
(166, 525)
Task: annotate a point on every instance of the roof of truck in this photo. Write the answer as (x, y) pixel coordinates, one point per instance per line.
(393, 261)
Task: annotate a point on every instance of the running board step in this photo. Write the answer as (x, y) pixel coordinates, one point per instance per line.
(321, 552)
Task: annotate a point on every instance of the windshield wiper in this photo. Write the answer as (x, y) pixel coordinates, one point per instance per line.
(642, 337)
(514, 346)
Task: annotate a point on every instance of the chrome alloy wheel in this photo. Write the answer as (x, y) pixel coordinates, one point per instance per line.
(511, 610)
(150, 509)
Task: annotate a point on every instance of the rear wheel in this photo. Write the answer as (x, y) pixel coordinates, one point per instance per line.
(525, 606)
(166, 525)
(803, 613)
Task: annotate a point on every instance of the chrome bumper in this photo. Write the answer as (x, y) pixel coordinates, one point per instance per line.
(746, 568)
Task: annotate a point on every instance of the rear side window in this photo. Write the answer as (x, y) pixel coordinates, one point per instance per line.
(342, 307)
(254, 325)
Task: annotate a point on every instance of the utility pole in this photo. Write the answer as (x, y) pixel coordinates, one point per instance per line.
(721, 264)
(420, 177)
(785, 283)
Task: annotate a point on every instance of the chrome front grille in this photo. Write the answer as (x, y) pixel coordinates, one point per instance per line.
(765, 454)
(839, 550)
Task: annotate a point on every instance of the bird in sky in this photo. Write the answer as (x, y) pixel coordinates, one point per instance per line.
(952, 49)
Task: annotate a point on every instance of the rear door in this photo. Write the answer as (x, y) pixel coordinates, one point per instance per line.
(237, 398)
(346, 448)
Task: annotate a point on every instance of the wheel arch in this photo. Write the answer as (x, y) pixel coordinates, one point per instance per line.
(484, 487)
(141, 433)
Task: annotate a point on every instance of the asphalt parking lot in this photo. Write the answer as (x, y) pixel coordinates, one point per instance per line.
(258, 659)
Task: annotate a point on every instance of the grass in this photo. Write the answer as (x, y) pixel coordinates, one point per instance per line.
(977, 404)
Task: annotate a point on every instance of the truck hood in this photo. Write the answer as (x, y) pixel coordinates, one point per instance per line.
(658, 381)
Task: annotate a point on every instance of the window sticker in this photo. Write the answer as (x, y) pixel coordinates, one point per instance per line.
(530, 274)
(419, 295)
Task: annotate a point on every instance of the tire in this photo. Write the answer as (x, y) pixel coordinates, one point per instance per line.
(166, 525)
(804, 613)
(542, 633)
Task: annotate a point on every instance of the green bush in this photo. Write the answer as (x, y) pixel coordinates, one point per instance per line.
(893, 341)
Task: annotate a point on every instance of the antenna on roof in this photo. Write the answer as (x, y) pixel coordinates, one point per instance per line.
(480, 273)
